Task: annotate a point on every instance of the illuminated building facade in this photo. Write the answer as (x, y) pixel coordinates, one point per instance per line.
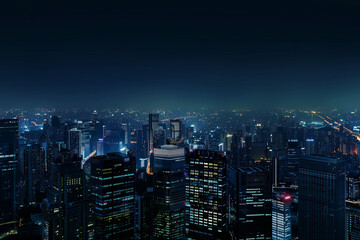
(169, 192)
(250, 196)
(65, 208)
(321, 198)
(8, 170)
(352, 220)
(205, 194)
(113, 195)
(281, 217)
(352, 186)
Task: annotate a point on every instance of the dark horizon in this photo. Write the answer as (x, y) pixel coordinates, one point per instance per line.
(149, 55)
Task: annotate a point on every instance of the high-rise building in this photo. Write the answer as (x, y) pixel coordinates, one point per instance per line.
(205, 195)
(228, 142)
(75, 142)
(96, 132)
(353, 186)
(175, 129)
(213, 141)
(85, 141)
(8, 172)
(34, 171)
(310, 146)
(112, 143)
(100, 147)
(159, 137)
(65, 209)
(280, 138)
(278, 165)
(126, 128)
(55, 131)
(281, 217)
(250, 196)
(137, 143)
(288, 166)
(150, 131)
(153, 126)
(321, 198)
(169, 192)
(248, 150)
(144, 198)
(113, 195)
(189, 134)
(352, 220)
(237, 158)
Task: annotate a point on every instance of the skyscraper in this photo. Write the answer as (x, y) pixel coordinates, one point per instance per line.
(149, 132)
(321, 198)
(310, 146)
(175, 129)
(113, 195)
(159, 136)
(281, 217)
(169, 192)
(137, 143)
(353, 186)
(352, 220)
(237, 150)
(288, 166)
(34, 170)
(75, 142)
(65, 209)
(205, 195)
(146, 207)
(250, 197)
(8, 170)
(153, 126)
(126, 128)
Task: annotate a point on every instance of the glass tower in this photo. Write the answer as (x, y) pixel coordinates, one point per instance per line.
(250, 196)
(205, 194)
(352, 220)
(169, 192)
(321, 198)
(8, 172)
(113, 195)
(65, 208)
(281, 217)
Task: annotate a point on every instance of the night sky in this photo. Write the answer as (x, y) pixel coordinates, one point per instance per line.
(179, 54)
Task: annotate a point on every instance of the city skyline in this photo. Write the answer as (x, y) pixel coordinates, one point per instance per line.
(146, 120)
(216, 175)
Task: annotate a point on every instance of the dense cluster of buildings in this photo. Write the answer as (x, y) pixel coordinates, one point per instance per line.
(273, 178)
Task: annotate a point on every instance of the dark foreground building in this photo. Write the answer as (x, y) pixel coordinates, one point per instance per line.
(113, 195)
(8, 173)
(65, 208)
(321, 198)
(352, 220)
(250, 196)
